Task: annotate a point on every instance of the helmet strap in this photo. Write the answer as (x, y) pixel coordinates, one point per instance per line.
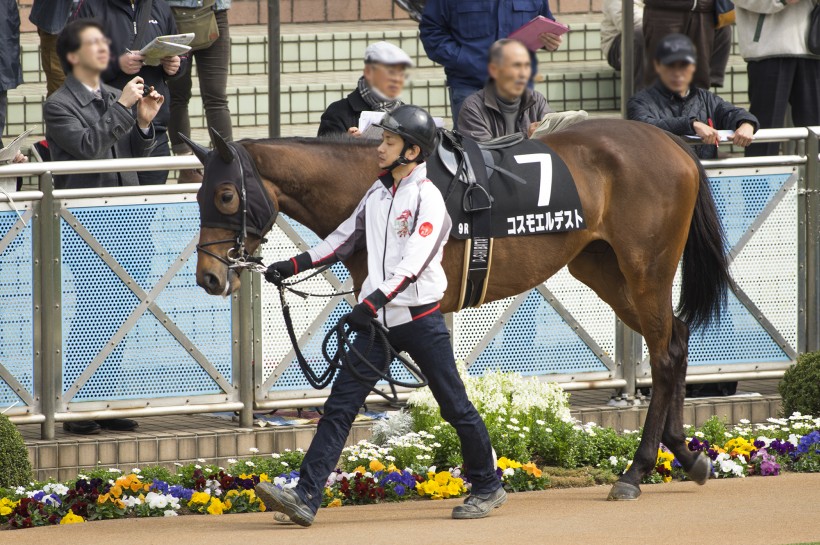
(402, 160)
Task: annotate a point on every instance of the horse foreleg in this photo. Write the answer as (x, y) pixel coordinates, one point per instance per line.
(696, 466)
(655, 311)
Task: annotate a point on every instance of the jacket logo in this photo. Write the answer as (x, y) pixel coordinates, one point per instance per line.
(425, 228)
(402, 223)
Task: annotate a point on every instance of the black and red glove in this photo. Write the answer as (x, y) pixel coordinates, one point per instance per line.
(365, 312)
(282, 270)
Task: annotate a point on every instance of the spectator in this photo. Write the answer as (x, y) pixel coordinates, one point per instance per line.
(87, 119)
(721, 51)
(611, 27)
(773, 39)
(76, 130)
(379, 89)
(50, 18)
(506, 105)
(11, 73)
(458, 35)
(694, 18)
(212, 64)
(675, 105)
(121, 21)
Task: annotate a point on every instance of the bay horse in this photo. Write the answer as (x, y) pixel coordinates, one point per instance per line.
(647, 204)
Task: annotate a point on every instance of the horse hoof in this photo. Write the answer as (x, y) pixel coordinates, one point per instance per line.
(624, 492)
(701, 470)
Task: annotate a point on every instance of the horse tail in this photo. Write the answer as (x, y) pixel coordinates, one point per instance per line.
(705, 268)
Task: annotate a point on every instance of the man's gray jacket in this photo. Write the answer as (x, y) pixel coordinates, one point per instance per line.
(482, 120)
(80, 127)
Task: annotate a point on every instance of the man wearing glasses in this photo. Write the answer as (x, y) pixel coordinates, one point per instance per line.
(378, 90)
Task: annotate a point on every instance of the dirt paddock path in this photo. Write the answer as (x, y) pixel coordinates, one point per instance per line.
(758, 510)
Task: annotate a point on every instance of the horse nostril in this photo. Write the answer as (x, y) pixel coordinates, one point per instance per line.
(210, 281)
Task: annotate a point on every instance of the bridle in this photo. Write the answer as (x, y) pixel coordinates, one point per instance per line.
(237, 256)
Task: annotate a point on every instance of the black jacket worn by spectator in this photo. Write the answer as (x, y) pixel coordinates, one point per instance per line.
(81, 127)
(119, 18)
(667, 110)
(343, 114)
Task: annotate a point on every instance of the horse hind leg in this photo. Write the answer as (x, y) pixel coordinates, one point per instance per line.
(697, 467)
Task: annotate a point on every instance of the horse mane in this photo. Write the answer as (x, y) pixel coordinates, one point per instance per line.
(339, 139)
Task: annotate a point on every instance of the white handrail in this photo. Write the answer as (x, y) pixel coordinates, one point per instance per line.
(190, 161)
(100, 165)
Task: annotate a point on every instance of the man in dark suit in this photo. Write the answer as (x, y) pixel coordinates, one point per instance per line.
(87, 119)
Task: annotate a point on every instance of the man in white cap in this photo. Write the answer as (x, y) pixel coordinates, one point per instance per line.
(378, 90)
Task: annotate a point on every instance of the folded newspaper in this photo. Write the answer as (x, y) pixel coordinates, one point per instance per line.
(8, 153)
(170, 45)
(555, 121)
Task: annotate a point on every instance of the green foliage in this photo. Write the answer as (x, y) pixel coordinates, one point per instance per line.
(714, 431)
(157, 472)
(807, 463)
(15, 469)
(800, 386)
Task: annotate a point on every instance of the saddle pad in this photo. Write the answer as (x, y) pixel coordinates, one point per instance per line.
(547, 203)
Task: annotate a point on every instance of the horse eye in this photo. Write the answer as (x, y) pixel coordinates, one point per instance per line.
(227, 197)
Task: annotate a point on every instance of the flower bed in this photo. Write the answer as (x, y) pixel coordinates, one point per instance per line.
(416, 456)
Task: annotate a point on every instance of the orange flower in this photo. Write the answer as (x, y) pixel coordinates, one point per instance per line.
(532, 469)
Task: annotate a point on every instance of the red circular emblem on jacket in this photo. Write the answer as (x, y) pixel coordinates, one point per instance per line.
(425, 228)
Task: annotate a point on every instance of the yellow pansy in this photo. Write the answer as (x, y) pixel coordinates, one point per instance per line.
(506, 463)
(231, 494)
(376, 465)
(216, 507)
(443, 477)
(199, 497)
(360, 469)
(7, 506)
(335, 503)
(263, 478)
(71, 518)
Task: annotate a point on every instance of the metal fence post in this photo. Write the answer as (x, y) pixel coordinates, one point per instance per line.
(627, 54)
(274, 68)
(246, 351)
(812, 252)
(628, 351)
(48, 259)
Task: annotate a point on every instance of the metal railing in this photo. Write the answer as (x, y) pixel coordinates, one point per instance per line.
(101, 315)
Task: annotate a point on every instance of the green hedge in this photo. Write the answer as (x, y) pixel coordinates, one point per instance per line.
(15, 469)
(800, 387)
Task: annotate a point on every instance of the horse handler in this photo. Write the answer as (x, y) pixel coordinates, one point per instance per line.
(404, 224)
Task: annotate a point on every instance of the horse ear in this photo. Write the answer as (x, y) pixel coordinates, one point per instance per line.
(201, 152)
(222, 146)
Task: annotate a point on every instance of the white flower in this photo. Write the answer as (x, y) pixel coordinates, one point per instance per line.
(432, 469)
(253, 450)
(285, 464)
(540, 422)
(744, 421)
(201, 460)
(20, 490)
(136, 471)
(613, 460)
(114, 470)
(727, 434)
(419, 457)
(522, 436)
(699, 434)
(509, 472)
(275, 455)
(231, 461)
(81, 476)
(170, 513)
(250, 464)
(390, 458)
(131, 501)
(177, 464)
(197, 466)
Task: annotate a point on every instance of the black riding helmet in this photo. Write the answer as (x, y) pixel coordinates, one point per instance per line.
(415, 126)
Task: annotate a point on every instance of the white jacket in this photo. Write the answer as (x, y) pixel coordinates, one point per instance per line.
(405, 235)
(613, 22)
(770, 28)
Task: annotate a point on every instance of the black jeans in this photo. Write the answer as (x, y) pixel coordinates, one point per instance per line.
(613, 58)
(212, 65)
(428, 343)
(160, 149)
(776, 83)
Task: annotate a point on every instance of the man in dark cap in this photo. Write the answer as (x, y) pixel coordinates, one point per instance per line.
(672, 103)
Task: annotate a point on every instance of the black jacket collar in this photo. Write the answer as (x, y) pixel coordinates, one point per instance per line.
(356, 102)
(81, 92)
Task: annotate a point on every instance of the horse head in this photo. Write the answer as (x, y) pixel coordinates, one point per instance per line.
(235, 210)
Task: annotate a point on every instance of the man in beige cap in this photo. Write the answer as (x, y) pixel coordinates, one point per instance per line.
(378, 90)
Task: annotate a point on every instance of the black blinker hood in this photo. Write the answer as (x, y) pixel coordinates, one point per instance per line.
(261, 212)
